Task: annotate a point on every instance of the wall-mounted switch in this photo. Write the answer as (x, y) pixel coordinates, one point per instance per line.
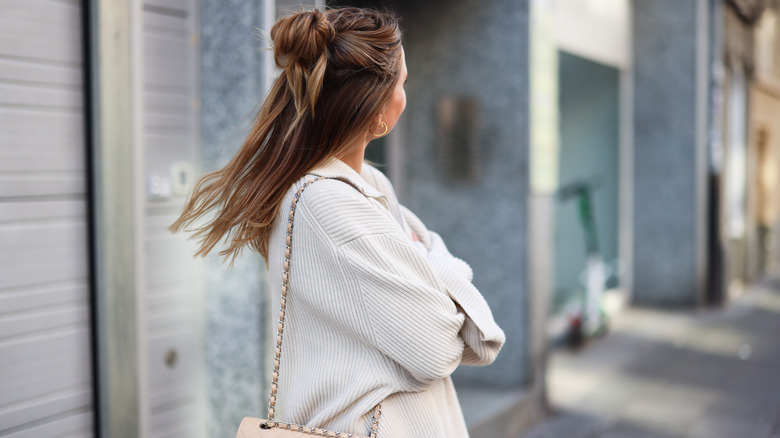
(182, 174)
(159, 187)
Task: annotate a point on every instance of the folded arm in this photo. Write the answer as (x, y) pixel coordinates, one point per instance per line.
(483, 337)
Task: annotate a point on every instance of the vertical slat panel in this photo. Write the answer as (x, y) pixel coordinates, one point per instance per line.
(172, 316)
(45, 354)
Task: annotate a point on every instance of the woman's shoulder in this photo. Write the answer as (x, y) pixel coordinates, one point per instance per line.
(342, 211)
(378, 180)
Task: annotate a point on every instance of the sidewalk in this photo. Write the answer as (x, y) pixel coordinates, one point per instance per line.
(670, 374)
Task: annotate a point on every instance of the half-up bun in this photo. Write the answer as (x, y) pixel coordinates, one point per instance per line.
(344, 63)
(301, 38)
(300, 48)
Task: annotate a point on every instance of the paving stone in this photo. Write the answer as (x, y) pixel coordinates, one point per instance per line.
(569, 425)
(729, 427)
(625, 429)
(672, 374)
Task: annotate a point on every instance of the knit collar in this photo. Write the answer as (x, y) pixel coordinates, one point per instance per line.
(332, 167)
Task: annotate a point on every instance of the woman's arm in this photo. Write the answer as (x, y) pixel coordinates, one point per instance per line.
(411, 318)
(483, 337)
(407, 313)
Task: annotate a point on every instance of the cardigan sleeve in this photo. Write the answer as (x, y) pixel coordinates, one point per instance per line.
(412, 319)
(413, 316)
(483, 337)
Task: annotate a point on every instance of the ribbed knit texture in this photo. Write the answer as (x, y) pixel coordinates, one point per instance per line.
(373, 316)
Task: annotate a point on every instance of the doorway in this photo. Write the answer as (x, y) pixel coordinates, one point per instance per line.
(586, 208)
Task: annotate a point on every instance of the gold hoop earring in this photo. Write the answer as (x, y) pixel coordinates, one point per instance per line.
(384, 125)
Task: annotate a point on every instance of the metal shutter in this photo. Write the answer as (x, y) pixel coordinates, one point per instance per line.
(45, 354)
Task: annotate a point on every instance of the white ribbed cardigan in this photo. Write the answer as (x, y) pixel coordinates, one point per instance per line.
(373, 316)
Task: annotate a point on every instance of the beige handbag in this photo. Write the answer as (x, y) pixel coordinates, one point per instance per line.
(260, 428)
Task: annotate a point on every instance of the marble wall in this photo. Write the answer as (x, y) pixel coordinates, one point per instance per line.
(478, 50)
(667, 172)
(232, 87)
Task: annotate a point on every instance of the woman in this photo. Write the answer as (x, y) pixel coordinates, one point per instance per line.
(377, 309)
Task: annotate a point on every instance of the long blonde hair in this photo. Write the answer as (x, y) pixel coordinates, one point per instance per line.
(339, 68)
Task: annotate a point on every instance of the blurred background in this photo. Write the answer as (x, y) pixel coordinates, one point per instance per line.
(609, 168)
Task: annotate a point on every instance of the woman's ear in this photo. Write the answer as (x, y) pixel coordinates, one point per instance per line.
(375, 123)
(375, 127)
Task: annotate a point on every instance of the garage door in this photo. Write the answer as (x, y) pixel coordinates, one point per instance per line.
(45, 354)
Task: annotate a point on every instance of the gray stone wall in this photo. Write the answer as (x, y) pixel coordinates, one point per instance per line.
(665, 155)
(477, 49)
(232, 87)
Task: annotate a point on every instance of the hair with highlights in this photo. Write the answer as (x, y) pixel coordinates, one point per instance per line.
(339, 68)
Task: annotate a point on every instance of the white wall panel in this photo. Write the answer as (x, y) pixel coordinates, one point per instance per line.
(41, 296)
(41, 96)
(40, 253)
(173, 316)
(41, 140)
(41, 184)
(37, 364)
(598, 30)
(44, 319)
(48, 405)
(41, 30)
(77, 425)
(173, 51)
(45, 353)
(31, 71)
(42, 211)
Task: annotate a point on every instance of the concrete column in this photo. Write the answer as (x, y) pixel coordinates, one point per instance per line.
(233, 79)
(670, 119)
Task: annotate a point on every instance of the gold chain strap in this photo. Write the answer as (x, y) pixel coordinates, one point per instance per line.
(278, 352)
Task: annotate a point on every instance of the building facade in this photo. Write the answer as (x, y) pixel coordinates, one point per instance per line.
(655, 119)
